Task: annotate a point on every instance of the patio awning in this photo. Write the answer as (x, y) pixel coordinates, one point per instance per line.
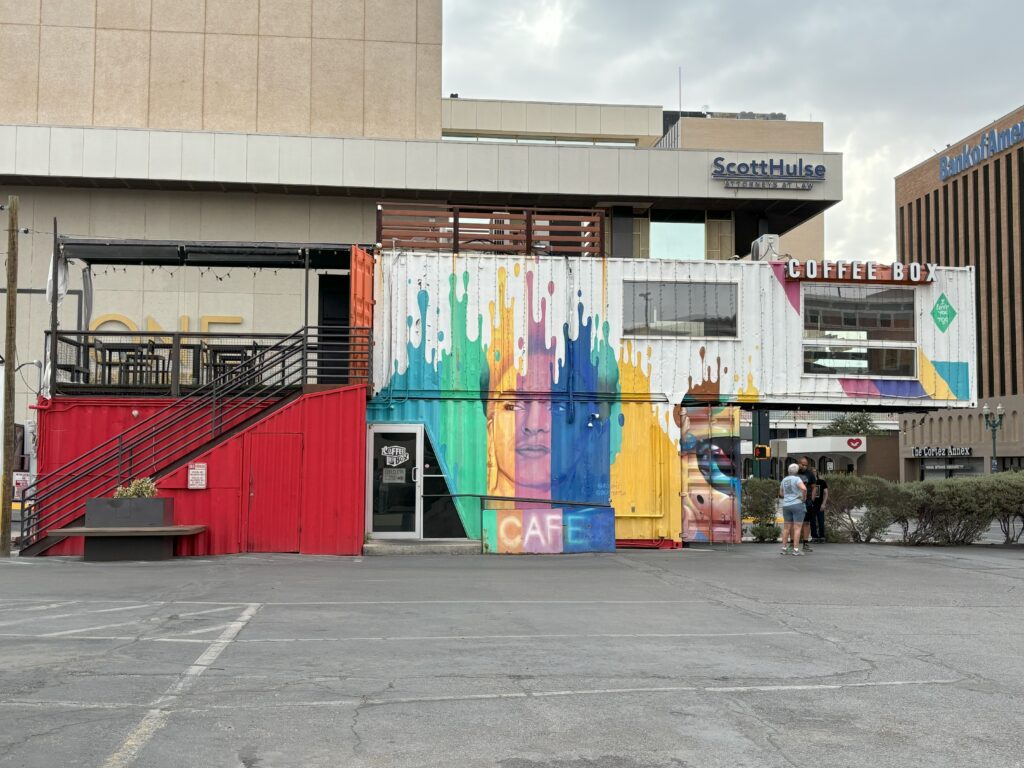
(205, 253)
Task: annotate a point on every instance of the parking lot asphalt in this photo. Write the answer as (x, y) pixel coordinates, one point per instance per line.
(730, 656)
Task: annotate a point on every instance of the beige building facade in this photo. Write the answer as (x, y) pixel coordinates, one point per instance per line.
(289, 120)
(306, 67)
(964, 207)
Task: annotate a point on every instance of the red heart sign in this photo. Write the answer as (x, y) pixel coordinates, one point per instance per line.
(855, 442)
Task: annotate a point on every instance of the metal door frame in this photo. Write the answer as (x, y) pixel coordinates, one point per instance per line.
(417, 469)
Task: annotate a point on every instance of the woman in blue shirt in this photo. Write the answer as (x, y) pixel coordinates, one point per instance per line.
(793, 493)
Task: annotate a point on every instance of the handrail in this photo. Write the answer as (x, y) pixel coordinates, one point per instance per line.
(171, 363)
(159, 443)
(70, 484)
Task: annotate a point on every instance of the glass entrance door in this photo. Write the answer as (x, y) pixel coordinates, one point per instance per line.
(396, 458)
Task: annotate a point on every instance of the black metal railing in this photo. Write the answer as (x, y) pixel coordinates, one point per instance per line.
(233, 397)
(177, 363)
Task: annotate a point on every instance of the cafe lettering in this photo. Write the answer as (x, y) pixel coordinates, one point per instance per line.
(860, 272)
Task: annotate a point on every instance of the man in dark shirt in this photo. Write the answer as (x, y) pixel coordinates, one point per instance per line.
(810, 478)
(818, 521)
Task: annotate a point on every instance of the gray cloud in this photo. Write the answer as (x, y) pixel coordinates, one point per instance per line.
(892, 82)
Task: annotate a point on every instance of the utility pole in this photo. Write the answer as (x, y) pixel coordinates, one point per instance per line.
(10, 363)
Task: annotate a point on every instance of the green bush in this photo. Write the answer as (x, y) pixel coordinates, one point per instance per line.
(962, 510)
(863, 508)
(846, 501)
(915, 516)
(1007, 499)
(139, 488)
(760, 501)
(956, 511)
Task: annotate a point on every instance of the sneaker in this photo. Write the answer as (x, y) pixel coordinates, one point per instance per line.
(785, 550)
(807, 547)
(796, 552)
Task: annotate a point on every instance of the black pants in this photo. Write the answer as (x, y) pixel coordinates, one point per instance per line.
(816, 517)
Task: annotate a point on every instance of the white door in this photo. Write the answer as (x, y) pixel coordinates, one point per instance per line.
(395, 481)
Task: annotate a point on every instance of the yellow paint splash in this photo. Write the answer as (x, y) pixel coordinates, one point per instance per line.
(934, 385)
(646, 476)
(749, 393)
(501, 361)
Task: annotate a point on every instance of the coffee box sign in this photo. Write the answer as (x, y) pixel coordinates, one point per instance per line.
(942, 451)
(859, 272)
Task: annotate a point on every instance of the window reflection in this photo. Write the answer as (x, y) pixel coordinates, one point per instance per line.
(680, 309)
(858, 313)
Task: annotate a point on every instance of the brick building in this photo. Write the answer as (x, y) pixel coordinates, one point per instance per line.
(963, 207)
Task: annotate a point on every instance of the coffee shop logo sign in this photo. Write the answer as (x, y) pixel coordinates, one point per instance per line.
(942, 452)
(394, 455)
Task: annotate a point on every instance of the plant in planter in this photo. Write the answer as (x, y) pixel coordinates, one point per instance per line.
(133, 510)
(139, 488)
(133, 504)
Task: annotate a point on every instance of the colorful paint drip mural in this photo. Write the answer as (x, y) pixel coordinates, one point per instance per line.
(608, 383)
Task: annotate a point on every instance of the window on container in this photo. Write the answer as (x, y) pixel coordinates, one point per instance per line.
(852, 360)
(680, 309)
(677, 235)
(858, 313)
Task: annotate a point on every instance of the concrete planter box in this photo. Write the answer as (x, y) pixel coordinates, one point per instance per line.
(129, 513)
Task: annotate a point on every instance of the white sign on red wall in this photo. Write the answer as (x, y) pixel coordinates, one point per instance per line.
(197, 476)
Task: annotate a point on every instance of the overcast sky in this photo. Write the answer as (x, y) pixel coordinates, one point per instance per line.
(893, 82)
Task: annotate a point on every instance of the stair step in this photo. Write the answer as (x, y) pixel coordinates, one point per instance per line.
(376, 547)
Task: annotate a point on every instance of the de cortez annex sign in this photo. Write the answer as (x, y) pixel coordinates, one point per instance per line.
(942, 451)
(859, 272)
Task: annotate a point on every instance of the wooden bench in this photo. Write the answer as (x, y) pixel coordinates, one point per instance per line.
(147, 542)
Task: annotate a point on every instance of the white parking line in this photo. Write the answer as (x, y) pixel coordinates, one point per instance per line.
(121, 638)
(201, 631)
(51, 606)
(50, 617)
(157, 715)
(498, 696)
(64, 632)
(488, 602)
(559, 636)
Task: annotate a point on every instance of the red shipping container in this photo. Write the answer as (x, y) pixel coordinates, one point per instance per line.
(255, 499)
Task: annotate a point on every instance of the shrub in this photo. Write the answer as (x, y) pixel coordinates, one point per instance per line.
(961, 510)
(946, 511)
(139, 488)
(846, 498)
(882, 500)
(760, 501)
(1006, 495)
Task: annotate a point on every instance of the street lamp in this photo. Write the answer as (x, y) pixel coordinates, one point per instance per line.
(993, 424)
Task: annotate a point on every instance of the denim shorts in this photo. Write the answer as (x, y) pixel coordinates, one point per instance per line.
(794, 513)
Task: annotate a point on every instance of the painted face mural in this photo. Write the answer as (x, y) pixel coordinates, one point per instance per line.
(548, 435)
(710, 440)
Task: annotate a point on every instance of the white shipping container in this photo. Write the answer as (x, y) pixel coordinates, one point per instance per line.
(673, 331)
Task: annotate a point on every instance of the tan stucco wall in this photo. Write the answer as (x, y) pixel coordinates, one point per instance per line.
(552, 120)
(806, 241)
(751, 135)
(305, 67)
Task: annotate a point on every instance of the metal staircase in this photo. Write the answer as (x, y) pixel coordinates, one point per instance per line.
(190, 425)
